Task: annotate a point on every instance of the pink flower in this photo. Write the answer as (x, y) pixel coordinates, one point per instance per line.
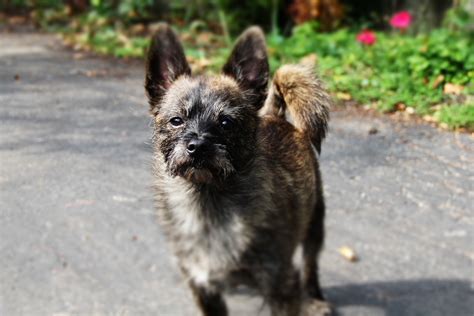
(401, 20)
(366, 37)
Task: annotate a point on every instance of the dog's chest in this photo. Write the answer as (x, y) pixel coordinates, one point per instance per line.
(207, 246)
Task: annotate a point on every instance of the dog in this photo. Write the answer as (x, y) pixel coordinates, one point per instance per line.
(237, 180)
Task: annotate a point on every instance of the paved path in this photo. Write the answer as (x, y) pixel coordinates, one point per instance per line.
(78, 234)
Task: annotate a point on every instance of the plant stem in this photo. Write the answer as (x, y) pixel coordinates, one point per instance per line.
(223, 22)
(274, 16)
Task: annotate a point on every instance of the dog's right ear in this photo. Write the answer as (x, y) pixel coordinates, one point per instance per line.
(165, 63)
(248, 65)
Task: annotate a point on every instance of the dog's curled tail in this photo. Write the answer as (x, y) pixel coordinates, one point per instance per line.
(298, 95)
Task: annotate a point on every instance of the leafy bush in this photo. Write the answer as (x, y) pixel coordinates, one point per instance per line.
(398, 71)
(457, 116)
(393, 71)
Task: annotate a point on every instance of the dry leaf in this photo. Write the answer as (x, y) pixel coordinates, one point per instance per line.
(95, 73)
(400, 107)
(430, 118)
(123, 38)
(205, 38)
(410, 110)
(204, 62)
(343, 96)
(15, 20)
(451, 88)
(348, 253)
(439, 80)
(78, 56)
(138, 29)
(444, 126)
(310, 60)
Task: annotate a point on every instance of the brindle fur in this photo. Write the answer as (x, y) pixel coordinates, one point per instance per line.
(238, 214)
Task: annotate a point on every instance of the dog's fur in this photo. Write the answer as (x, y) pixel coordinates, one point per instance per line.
(237, 211)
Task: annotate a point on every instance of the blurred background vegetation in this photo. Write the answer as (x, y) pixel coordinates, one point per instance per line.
(409, 57)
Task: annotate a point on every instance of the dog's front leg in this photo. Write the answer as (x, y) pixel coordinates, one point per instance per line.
(283, 292)
(210, 302)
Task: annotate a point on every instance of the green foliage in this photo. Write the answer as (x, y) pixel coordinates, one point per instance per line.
(397, 69)
(30, 4)
(456, 116)
(126, 10)
(459, 17)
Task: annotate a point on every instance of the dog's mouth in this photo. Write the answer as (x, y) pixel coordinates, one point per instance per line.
(206, 169)
(199, 175)
(201, 172)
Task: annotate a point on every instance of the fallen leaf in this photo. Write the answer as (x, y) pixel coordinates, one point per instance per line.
(123, 38)
(444, 126)
(369, 106)
(78, 56)
(310, 60)
(438, 81)
(15, 20)
(95, 73)
(410, 110)
(77, 46)
(138, 29)
(343, 96)
(400, 107)
(430, 118)
(204, 38)
(348, 253)
(451, 88)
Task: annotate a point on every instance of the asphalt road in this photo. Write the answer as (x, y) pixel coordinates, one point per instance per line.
(78, 234)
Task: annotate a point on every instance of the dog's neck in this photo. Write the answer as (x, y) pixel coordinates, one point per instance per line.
(219, 196)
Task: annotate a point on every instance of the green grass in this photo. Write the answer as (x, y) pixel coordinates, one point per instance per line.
(399, 71)
(457, 116)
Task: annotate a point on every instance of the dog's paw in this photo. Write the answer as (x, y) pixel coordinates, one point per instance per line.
(314, 307)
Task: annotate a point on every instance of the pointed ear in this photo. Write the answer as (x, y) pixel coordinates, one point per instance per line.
(165, 63)
(248, 65)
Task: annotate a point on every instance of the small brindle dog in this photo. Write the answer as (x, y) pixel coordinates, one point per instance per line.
(238, 187)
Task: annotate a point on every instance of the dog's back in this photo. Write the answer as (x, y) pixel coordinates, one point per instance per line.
(294, 123)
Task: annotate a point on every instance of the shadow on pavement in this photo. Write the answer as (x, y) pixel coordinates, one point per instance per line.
(410, 297)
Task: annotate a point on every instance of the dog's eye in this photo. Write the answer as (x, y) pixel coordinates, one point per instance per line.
(176, 121)
(226, 123)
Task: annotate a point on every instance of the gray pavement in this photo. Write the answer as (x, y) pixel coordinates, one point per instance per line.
(78, 234)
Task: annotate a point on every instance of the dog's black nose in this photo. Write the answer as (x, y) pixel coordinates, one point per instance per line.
(197, 146)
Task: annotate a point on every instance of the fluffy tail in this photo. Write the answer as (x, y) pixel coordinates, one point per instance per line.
(298, 95)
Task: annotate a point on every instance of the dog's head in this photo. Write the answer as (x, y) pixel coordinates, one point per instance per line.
(205, 126)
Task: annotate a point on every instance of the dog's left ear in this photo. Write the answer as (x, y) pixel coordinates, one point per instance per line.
(165, 63)
(248, 65)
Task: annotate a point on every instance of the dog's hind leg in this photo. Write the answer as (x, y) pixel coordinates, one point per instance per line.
(312, 245)
(210, 303)
(314, 302)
